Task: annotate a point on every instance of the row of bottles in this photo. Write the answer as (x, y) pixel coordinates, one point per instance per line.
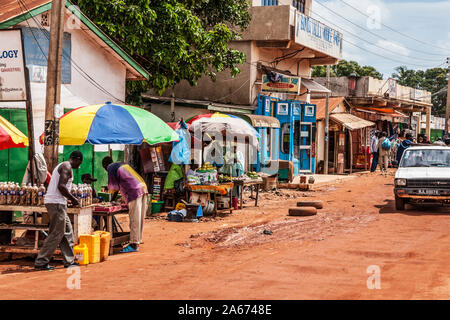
(26, 195)
(83, 192)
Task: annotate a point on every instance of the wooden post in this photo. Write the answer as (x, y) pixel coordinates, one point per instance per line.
(365, 148)
(327, 123)
(53, 93)
(447, 110)
(351, 151)
(30, 127)
(428, 127)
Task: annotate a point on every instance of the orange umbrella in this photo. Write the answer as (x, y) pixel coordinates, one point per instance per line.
(10, 136)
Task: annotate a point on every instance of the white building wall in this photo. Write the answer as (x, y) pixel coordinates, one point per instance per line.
(104, 68)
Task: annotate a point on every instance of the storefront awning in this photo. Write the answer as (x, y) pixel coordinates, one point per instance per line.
(259, 121)
(314, 87)
(350, 121)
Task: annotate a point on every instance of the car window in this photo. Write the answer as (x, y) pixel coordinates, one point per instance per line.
(426, 158)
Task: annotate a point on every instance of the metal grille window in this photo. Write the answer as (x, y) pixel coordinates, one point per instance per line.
(269, 2)
(299, 5)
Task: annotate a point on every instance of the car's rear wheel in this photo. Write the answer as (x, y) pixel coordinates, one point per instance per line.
(399, 203)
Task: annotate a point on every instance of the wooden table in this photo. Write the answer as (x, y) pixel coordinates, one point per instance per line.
(216, 190)
(254, 183)
(82, 224)
(116, 237)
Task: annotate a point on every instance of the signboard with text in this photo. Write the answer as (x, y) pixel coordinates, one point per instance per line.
(280, 83)
(12, 72)
(317, 36)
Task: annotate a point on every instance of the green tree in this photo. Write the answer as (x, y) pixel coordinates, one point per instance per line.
(345, 68)
(173, 39)
(432, 80)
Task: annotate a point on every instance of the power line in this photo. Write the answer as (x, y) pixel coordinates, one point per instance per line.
(392, 29)
(397, 53)
(374, 34)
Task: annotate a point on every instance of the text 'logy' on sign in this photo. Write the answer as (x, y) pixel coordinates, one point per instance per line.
(280, 83)
(12, 72)
(317, 36)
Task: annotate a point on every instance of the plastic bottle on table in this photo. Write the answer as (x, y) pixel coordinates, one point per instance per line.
(9, 193)
(74, 192)
(34, 195)
(28, 194)
(17, 194)
(23, 195)
(41, 194)
(2, 195)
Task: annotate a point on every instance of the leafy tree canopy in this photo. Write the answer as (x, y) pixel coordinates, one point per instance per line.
(432, 80)
(173, 39)
(345, 68)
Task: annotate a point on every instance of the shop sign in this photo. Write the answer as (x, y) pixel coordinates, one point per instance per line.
(280, 83)
(12, 69)
(318, 36)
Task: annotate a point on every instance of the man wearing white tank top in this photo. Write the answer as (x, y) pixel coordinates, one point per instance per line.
(60, 232)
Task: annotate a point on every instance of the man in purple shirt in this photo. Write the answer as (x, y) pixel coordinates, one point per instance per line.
(121, 177)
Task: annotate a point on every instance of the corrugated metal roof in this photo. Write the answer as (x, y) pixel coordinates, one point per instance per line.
(313, 86)
(350, 121)
(320, 103)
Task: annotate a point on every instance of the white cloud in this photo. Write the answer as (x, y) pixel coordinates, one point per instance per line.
(392, 46)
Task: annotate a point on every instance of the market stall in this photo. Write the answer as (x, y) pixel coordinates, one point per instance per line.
(113, 124)
(249, 180)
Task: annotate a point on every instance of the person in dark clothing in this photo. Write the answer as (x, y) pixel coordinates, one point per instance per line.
(374, 150)
(405, 144)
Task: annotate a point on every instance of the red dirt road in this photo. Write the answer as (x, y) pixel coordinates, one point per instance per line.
(320, 257)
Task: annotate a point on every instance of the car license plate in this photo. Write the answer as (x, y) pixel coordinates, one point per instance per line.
(430, 192)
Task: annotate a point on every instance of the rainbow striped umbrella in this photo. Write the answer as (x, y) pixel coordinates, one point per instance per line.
(10, 136)
(113, 124)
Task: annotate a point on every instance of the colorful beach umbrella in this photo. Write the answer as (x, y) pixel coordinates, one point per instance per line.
(218, 122)
(113, 124)
(10, 136)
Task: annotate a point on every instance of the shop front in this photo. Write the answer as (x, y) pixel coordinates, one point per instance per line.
(297, 131)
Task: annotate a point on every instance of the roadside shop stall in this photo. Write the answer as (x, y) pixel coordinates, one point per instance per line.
(109, 124)
(99, 125)
(229, 148)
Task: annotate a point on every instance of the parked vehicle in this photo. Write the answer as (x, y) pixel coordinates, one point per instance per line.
(423, 176)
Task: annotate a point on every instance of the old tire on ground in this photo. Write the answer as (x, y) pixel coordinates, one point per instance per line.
(303, 211)
(399, 203)
(318, 204)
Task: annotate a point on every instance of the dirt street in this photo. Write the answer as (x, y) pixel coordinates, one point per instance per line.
(321, 257)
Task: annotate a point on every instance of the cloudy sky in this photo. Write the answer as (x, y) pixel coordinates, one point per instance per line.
(389, 33)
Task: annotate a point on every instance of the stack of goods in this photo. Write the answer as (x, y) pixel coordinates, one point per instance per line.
(157, 188)
(26, 195)
(83, 193)
(207, 174)
(224, 178)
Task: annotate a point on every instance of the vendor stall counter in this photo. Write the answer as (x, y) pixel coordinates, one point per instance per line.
(81, 219)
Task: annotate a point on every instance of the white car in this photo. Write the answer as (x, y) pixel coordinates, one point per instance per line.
(423, 176)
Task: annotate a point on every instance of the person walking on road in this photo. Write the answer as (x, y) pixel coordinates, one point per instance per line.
(60, 232)
(384, 147)
(374, 151)
(134, 191)
(405, 144)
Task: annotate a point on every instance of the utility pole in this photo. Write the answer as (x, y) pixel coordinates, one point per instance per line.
(447, 110)
(53, 93)
(327, 122)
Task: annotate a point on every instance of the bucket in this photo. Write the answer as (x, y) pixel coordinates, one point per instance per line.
(156, 206)
(105, 241)
(92, 241)
(81, 253)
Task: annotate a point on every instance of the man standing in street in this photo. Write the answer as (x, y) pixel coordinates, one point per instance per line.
(121, 177)
(374, 151)
(384, 147)
(405, 144)
(60, 233)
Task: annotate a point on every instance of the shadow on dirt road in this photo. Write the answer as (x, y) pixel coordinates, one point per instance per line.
(414, 210)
